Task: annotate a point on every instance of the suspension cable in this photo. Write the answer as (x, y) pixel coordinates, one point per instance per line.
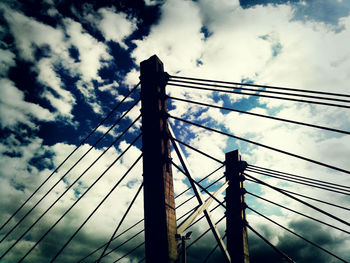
(261, 115)
(210, 174)
(262, 145)
(260, 95)
(305, 196)
(302, 182)
(132, 250)
(122, 244)
(198, 151)
(285, 256)
(261, 86)
(190, 198)
(205, 232)
(259, 90)
(122, 233)
(200, 218)
(299, 213)
(66, 173)
(201, 187)
(292, 232)
(96, 208)
(143, 219)
(293, 175)
(213, 250)
(120, 223)
(299, 200)
(114, 249)
(69, 155)
(68, 188)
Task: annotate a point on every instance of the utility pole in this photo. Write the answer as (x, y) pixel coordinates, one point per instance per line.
(159, 203)
(236, 230)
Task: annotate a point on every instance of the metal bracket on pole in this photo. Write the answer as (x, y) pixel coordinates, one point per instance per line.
(198, 195)
(200, 209)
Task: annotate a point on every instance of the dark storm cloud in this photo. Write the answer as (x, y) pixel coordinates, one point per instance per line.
(295, 247)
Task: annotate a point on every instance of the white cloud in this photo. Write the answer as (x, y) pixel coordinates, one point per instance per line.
(111, 88)
(176, 39)
(7, 60)
(63, 100)
(30, 34)
(14, 108)
(115, 26)
(92, 54)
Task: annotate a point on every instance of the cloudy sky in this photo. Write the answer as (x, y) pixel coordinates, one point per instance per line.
(65, 64)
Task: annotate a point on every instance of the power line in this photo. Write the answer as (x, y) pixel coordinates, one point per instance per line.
(299, 200)
(305, 196)
(303, 238)
(260, 90)
(96, 208)
(67, 189)
(262, 86)
(261, 95)
(285, 256)
(299, 213)
(66, 173)
(120, 223)
(262, 145)
(261, 115)
(64, 161)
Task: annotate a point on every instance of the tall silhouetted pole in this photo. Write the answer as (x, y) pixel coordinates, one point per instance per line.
(159, 204)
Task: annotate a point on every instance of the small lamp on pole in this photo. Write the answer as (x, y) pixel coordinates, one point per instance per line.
(183, 239)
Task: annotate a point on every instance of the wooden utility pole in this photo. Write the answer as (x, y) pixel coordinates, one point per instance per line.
(159, 203)
(236, 230)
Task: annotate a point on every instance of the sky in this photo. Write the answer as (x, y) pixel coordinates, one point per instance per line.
(64, 65)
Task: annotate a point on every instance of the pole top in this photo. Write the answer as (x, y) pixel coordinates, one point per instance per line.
(151, 65)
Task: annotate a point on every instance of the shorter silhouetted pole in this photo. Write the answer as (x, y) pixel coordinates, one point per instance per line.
(236, 230)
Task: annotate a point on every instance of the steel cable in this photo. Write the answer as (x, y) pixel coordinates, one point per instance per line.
(262, 145)
(300, 236)
(95, 209)
(261, 86)
(299, 200)
(261, 115)
(64, 161)
(68, 188)
(66, 173)
(261, 95)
